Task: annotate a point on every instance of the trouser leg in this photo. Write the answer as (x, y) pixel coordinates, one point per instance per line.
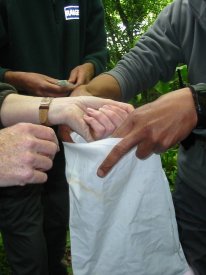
(55, 230)
(22, 233)
(56, 215)
(190, 213)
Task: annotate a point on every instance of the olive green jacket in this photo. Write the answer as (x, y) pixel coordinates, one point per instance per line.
(51, 37)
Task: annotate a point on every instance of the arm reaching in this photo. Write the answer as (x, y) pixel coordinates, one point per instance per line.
(104, 85)
(36, 84)
(74, 112)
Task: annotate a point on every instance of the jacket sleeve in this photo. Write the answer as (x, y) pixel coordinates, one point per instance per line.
(153, 58)
(96, 50)
(5, 89)
(3, 40)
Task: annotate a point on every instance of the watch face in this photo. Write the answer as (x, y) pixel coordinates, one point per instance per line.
(199, 95)
(202, 99)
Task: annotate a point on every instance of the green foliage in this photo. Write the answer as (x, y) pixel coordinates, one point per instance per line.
(4, 266)
(169, 163)
(178, 81)
(126, 21)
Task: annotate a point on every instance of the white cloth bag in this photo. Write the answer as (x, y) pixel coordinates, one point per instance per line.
(123, 224)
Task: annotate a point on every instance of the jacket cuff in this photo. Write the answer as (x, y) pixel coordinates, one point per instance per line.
(2, 72)
(5, 89)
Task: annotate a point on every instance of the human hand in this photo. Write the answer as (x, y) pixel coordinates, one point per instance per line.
(91, 117)
(36, 84)
(82, 74)
(26, 152)
(154, 127)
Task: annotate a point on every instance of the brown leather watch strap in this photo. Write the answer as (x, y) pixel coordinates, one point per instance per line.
(44, 109)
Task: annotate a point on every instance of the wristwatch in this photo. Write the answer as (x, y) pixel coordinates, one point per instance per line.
(199, 96)
(44, 109)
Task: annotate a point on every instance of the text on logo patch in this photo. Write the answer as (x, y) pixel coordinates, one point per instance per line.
(71, 12)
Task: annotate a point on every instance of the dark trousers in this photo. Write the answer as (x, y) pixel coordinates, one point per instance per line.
(21, 227)
(34, 222)
(190, 208)
(56, 215)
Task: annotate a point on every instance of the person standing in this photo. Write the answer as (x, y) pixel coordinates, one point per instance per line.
(42, 43)
(178, 36)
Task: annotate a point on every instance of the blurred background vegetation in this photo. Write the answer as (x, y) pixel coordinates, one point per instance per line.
(126, 21)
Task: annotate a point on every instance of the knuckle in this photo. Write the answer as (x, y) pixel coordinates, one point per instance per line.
(29, 159)
(27, 176)
(29, 143)
(52, 149)
(48, 164)
(51, 133)
(119, 150)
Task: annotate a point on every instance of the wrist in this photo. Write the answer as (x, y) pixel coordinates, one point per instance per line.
(60, 110)
(9, 76)
(16, 79)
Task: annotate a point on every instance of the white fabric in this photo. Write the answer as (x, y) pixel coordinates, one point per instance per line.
(189, 272)
(123, 224)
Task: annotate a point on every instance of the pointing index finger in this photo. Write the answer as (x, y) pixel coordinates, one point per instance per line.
(119, 150)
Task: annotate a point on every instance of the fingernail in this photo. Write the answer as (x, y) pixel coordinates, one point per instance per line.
(100, 173)
(89, 110)
(106, 106)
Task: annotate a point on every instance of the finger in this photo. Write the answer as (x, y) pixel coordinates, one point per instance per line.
(54, 89)
(96, 129)
(41, 132)
(42, 162)
(38, 177)
(124, 129)
(44, 147)
(31, 175)
(115, 155)
(116, 110)
(103, 120)
(73, 76)
(65, 84)
(81, 79)
(115, 115)
(144, 150)
(124, 106)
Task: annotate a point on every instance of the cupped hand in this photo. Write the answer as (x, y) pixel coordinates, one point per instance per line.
(154, 128)
(91, 117)
(36, 84)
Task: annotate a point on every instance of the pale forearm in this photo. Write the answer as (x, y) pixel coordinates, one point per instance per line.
(70, 111)
(18, 108)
